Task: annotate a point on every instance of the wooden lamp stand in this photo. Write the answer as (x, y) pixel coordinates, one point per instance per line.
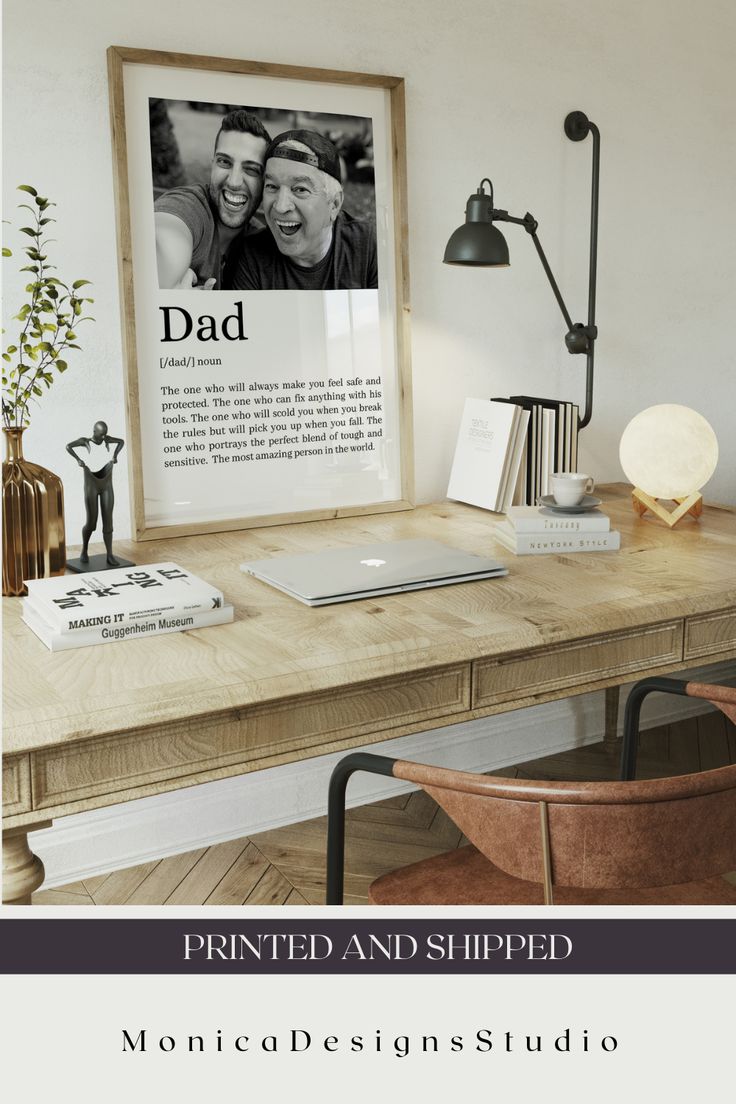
(692, 504)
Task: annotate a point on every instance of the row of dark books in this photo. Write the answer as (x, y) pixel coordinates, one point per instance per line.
(551, 445)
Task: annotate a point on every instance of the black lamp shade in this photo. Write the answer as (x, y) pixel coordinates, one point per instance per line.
(477, 243)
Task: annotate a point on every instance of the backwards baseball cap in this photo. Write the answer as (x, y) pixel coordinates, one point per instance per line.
(320, 152)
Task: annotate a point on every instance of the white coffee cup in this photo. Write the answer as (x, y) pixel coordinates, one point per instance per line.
(570, 488)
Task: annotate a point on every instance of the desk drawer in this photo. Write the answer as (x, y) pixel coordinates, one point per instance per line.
(584, 662)
(114, 764)
(16, 785)
(710, 633)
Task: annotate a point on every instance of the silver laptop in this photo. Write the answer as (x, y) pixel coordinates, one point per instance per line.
(345, 574)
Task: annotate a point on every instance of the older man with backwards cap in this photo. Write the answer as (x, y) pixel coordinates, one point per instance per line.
(310, 243)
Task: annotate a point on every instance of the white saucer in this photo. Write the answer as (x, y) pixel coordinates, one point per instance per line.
(587, 503)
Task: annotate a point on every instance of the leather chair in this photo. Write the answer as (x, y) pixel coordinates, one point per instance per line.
(662, 841)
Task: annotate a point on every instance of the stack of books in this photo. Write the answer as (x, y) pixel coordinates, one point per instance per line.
(535, 530)
(488, 455)
(551, 445)
(73, 611)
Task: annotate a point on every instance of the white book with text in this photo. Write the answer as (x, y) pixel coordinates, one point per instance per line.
(537, 544)
(538, 519)
(481, 469)
(111, 632)
(121, 595)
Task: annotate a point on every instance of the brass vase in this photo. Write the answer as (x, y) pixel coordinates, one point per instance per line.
(34, 545)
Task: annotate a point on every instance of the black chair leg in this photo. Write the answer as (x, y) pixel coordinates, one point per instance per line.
(632, 714)
(358, 761)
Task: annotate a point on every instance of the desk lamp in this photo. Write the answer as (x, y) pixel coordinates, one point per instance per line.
(480, 243)
(669, 452)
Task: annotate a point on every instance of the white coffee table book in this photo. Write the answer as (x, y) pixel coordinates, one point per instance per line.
(99, 607)
(537, 519)
(488, 454)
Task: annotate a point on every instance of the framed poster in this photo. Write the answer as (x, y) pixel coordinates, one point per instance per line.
(262, 248)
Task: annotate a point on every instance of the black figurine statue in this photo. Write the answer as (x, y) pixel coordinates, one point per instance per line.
(99, 496)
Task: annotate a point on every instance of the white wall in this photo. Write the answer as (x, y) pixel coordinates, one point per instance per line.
(488, 85)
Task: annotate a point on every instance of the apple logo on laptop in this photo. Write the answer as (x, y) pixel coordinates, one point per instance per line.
(373, 563)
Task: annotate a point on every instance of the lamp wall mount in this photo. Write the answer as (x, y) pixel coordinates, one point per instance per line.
(577, 126)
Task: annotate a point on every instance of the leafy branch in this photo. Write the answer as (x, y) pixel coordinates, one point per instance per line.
(48, 322)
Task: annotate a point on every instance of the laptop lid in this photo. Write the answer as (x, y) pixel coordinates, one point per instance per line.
(338, 574)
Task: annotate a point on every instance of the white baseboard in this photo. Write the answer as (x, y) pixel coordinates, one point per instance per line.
(84, 845)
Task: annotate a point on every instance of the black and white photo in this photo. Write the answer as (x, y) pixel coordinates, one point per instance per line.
(276, 200)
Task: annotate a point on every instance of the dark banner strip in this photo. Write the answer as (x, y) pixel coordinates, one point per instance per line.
(345, 946)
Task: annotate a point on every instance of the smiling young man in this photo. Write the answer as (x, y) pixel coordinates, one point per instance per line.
(311, 244)
(196, 226)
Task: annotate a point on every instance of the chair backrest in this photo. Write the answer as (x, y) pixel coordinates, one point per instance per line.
(724, 697)
(604, 835)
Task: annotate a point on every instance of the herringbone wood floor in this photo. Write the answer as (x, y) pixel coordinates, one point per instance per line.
(286, 866)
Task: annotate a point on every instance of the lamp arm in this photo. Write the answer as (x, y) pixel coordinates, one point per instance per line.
(587, 413)
(530, 224)
(588, 333)
(550, 277)
(592, 129)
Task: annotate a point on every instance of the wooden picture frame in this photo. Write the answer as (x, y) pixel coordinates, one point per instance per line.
(356, 455)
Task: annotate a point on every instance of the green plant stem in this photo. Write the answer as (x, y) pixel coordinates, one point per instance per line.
(31, 372)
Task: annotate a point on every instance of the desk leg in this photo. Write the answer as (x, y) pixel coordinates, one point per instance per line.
(22, 870)
(610, 731)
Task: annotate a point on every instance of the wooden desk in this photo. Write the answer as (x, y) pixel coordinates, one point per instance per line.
(97, 726)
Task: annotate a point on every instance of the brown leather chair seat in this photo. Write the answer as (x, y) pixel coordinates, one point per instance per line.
(657, 841)
(466, 877)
